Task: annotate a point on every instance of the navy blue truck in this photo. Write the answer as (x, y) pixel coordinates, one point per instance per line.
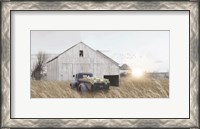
(85, 82)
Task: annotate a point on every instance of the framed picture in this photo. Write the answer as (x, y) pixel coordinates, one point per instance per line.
(89, 73)
(100, 64)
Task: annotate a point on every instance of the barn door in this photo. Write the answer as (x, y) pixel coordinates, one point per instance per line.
(67, 72)
(114, 79)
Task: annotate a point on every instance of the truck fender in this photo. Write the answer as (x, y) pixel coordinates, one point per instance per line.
(73, 84)
(83, 87)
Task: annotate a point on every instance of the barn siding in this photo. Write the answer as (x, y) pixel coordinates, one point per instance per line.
(52, 70)
(93, 62)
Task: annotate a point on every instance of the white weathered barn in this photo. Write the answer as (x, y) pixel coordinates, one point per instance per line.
(80, 58)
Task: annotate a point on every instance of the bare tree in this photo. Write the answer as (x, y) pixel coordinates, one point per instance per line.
(39, 67)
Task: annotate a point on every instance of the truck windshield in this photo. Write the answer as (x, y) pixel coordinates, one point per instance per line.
(84, 75)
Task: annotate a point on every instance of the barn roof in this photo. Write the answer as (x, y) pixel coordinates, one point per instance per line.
(125, 67)
(62, 53)
(87, 46)
(107, 57)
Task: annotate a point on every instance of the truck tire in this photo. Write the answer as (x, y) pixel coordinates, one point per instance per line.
(83, 88)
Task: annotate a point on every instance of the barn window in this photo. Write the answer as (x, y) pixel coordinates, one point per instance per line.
(81, 53)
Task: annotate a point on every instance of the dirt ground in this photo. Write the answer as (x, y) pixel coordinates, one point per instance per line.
(129, 88)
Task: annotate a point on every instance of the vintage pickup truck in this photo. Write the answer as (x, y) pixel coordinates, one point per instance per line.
(85, 82)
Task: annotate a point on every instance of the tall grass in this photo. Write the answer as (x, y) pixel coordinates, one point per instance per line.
(129, 88)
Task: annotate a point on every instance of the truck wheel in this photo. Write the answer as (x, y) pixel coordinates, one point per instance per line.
(83, 88)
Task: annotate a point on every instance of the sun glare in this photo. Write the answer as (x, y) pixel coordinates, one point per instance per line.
(137, 72)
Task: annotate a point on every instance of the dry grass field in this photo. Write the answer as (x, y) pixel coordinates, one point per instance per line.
(129, 88)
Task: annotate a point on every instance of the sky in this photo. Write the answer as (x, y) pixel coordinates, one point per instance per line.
(147, 50)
